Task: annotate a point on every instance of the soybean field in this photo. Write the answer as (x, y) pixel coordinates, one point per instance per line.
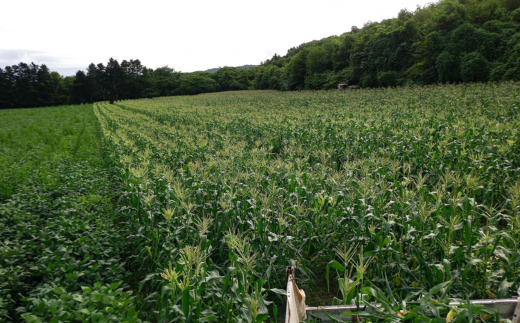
(406, 195)
(62, 253)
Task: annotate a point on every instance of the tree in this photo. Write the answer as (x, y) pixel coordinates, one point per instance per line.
(448, 67)
(229, 79)
(58, 91)
(164, 81)
(474, 68)
(318, 61)
(80, 88)
(113, 80)
(44, 87)
(390, 78)
(196, 83)
(4, 90)
(341, 57)
(94, 82)
(296, 71)
(132, 79)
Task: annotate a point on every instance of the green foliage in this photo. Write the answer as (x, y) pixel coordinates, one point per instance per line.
(446, 16)
(164, 81)
(28, 85)
(424, 306)
(474, 68)
(391, 78)
(268, 77)
(369, 80)
(426, 46)
(232, 79)
(511, 68)
(99, 303)
(448, 67)
(195, 83)
(511, 5)
(341, 57)
(318, 61)
(515, 15)
(56, 217)
(296, 71)
(33, 139)
(223, 191)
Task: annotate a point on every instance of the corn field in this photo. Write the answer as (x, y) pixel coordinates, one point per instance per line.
(414, 188)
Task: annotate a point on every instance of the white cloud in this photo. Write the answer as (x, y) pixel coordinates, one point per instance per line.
(186, 35)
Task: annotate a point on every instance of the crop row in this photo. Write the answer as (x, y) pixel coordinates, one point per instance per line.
(222, 191)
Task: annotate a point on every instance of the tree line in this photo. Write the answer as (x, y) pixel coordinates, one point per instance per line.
(31, 85)
(451, 41)
(446, 42)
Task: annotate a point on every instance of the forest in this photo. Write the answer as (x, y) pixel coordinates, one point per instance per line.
(451, 41)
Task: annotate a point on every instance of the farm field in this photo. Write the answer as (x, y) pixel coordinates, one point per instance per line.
(61, 252)
(406, 195)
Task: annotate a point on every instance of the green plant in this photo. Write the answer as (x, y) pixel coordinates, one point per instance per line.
(57, 218)
(255, 181)
(100, 303)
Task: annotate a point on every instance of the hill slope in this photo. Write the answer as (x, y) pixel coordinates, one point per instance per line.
(450, 41)
(213, 70)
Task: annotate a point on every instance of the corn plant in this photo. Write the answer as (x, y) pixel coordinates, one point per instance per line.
(222, 191)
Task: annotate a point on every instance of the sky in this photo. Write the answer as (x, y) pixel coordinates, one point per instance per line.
(68, 35)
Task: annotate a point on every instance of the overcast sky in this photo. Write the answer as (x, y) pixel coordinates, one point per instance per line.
(67, 35)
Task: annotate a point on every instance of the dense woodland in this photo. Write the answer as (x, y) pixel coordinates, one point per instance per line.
(450, 41)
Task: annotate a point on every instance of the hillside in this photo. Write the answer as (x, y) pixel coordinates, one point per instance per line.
(243, 67)
(452, 41)
(446, 42)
